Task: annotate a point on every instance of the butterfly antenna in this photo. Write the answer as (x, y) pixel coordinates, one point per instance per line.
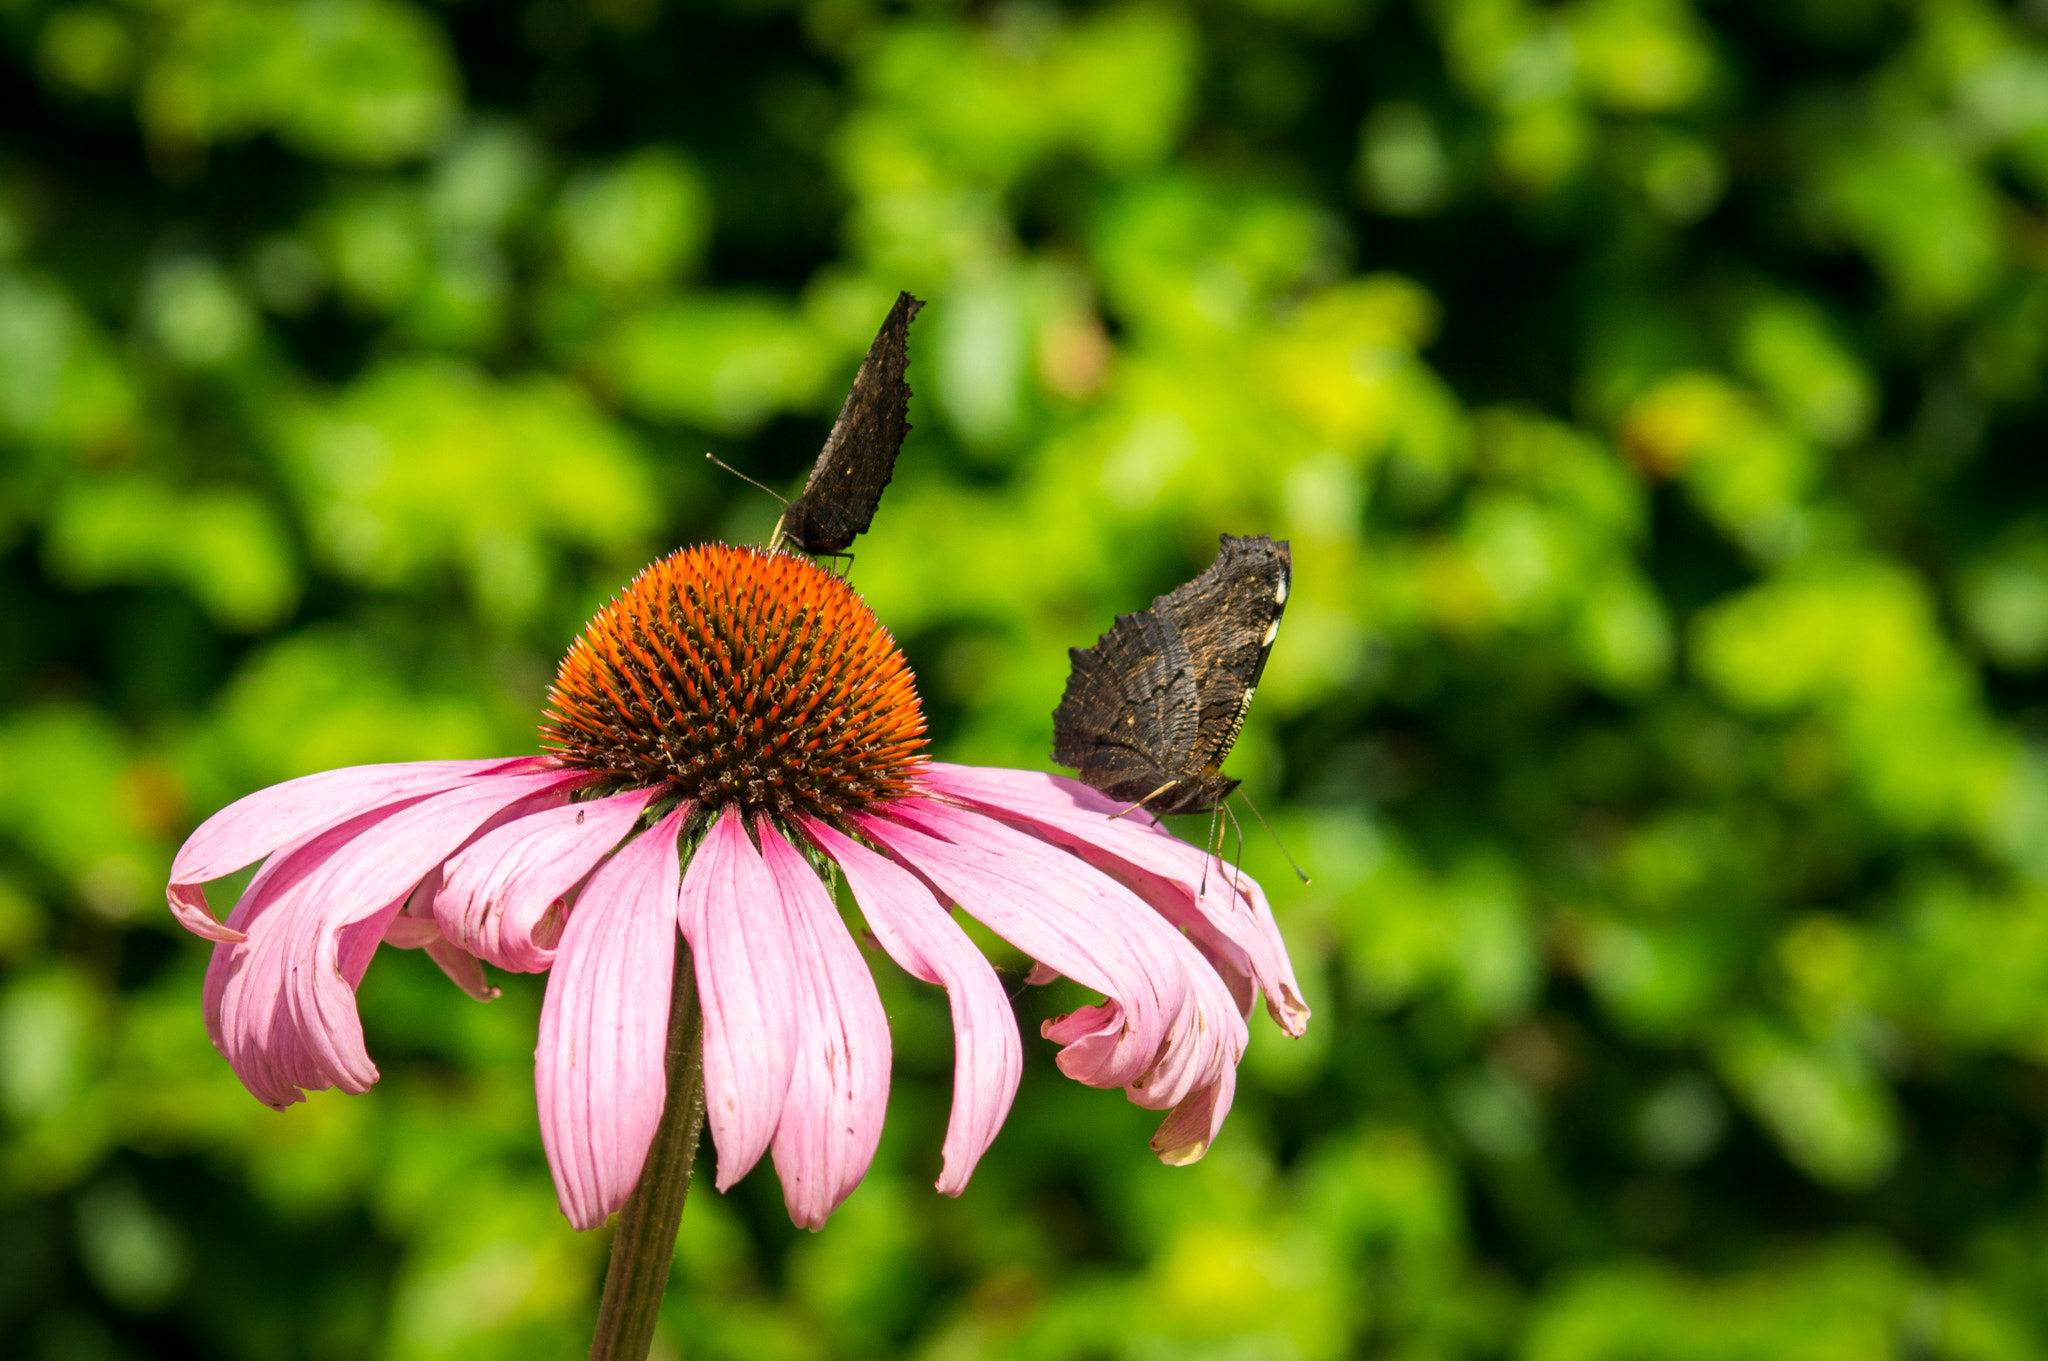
(1147, 799)
(744, 478)
(1299, 872)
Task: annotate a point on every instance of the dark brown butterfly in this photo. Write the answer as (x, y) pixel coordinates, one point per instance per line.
(1153, 708)
(839, 499)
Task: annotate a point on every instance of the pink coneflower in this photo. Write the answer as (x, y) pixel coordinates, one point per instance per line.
(729, 729)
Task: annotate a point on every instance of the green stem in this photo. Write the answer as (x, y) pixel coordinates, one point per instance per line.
(645, 1243)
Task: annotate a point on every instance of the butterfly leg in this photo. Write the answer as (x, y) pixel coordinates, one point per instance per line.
(839, 558)
(1211, 843)
(1147, 799)
(1237, 866)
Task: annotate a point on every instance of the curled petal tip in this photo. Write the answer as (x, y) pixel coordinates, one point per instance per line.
(464, 969)
(188, 905)
(1183, 1154)
(1290, 1013)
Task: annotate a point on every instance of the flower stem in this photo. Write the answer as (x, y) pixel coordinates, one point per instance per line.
(645, 1243)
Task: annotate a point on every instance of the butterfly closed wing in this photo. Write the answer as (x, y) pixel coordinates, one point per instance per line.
(839, 498)
(1151, 711)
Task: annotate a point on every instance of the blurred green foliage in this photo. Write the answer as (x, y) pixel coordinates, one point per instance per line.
(1647, 389)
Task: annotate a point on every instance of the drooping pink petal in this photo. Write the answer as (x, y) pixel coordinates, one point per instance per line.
(1228, 916)
(240, 1021)
(599, 1068)
(1185, 1135)
(337, 950)
(1204, 1032)
(411, 933)
(1191, 1078)
(839, 1089)
(1284, 1002)
(288, 994)
(922, 936)
(1088, 1037)
(464, 969)
(1054, 908)
(250, 828)
(1160, 868)
(1198, 1051)
(738, 930)
(414, 928)
(500, 888)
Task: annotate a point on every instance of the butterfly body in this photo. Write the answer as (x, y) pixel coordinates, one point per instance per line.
(1151, 711)
(839, 498)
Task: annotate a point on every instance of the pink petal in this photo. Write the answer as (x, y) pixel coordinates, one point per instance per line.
(1198, 1052)
(1231, 922)
(922, 936)
(500, 888)
(738, 930)
(1284, 1002)
(414, 928)
(239, 1020)
(250, 828)
(1088, 1038)
(335, 942)
(464, 969)
(287, 992)
(1054, 908)
(411, 933)
(1162, 869)
(839, 1088)
(1203, 1029)
(1185, 1135)
(599, 1068)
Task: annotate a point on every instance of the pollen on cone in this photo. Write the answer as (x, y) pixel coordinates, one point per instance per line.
(740, 675)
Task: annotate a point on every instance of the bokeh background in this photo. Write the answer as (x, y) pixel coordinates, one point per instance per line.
(1652, 392)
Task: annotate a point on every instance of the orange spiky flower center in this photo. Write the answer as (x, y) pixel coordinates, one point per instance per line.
(740, 675)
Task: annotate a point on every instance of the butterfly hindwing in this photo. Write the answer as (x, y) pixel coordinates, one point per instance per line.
(1128, 719)
(1151, 710)
(845, 486)
(1229, 616)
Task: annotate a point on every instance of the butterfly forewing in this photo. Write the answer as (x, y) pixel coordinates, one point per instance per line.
(845, 486)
